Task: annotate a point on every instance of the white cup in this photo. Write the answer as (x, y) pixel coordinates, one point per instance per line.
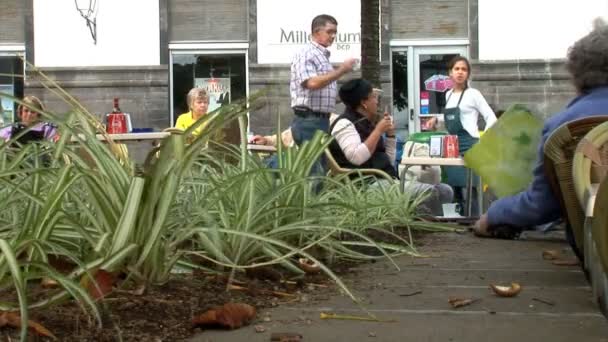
(451, 210)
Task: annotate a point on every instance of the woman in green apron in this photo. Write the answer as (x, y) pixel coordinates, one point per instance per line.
(463, 107)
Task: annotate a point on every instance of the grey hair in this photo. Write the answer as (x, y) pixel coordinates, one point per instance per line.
(588, 59)
(195, 94)
(320, 21)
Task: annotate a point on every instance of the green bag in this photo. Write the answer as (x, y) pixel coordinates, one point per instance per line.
(506, 153)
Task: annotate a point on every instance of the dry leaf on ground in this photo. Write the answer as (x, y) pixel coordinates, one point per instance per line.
(308, 265)
(456, 302)
(285, 337)
(506, 291)
(230, 315)
(13, 319)
(102, 284)
(566, 262)
(550, 254)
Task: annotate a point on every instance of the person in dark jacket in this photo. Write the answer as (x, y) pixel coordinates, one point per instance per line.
(361, 142)
(588, 65)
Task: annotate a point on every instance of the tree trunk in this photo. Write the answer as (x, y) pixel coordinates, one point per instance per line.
(370, 41)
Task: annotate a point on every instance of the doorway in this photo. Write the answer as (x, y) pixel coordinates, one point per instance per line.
(419, 74)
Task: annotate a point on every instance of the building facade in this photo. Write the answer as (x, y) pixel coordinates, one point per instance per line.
(149, 53)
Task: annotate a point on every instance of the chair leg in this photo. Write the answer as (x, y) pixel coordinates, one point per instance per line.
(402, 177)
(603, 295)
(597, 274)
(588, 242)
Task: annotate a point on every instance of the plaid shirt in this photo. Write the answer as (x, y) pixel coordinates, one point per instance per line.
(312, 60)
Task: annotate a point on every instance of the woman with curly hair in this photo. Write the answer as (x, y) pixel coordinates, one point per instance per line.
(587, 64)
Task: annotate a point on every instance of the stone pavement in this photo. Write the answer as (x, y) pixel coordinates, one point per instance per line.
(554, 305)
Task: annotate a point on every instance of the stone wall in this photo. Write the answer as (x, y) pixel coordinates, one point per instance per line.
(143, 91)
(12, 22)
(543, 86)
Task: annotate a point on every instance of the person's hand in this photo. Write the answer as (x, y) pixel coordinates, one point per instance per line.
(391, 130)
(348, 65)
(385, 125)
(258, 140)
(430, 124)
(481, 226)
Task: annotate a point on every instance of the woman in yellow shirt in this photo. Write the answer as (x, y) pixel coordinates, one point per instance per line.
(198, 103)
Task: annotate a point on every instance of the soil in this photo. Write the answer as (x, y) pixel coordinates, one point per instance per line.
(165, 312)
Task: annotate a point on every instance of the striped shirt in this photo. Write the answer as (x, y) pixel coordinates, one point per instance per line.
(312, 60)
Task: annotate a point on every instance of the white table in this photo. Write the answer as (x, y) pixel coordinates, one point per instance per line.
(429, 161)
(135, 136)
(261, 148)
(129, 136)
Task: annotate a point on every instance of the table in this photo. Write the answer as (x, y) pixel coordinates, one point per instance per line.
(411, 161)
(130, 136)
(261, 148)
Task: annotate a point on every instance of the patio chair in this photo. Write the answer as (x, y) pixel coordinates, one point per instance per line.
(589, 169)
(337, 170)
(558, 156)
(599, 248)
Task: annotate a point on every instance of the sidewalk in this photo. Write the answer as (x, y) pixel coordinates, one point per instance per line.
(554, 305)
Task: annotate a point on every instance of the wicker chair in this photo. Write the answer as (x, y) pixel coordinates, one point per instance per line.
(336, 170)
(599, 268)
(558, 157)
(589, 169)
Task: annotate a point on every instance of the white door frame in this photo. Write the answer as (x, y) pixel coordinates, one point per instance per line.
(206, 48)
(414, 48)
(414, 122)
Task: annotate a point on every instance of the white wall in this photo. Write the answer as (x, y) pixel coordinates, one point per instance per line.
(127, 34)
(534, 29)
(296, 15)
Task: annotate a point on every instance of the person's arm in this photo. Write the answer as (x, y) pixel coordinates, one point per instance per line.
(390, 144)
(180, 123)
(287, 137)
(350, 142)
(5, 133)
(485, 110)
(312, 80)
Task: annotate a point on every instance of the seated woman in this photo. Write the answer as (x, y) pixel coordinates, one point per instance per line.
(198, 103)
(359, 143)
(29, 119)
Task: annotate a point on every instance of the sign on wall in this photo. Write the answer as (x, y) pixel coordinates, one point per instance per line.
(218, 90)
(283, 27)
(71, 33)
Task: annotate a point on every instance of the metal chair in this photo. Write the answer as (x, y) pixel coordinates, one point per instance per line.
(336, 170)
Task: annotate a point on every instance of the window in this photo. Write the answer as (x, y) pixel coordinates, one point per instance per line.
(223, 72)
(11, 83)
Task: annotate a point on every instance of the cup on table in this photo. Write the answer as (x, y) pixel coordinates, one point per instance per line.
(451, 210)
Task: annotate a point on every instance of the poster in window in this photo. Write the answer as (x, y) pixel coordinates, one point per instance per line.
(218, 90)
(6, 104)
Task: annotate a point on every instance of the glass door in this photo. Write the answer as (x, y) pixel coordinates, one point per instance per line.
(11, 83)
(430, 82)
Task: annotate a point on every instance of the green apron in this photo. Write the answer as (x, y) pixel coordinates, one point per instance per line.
(457, 175)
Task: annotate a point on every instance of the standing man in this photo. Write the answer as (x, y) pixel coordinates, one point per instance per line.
(313, 85)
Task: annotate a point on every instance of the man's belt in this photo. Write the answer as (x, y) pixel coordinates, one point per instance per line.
(305, 112)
